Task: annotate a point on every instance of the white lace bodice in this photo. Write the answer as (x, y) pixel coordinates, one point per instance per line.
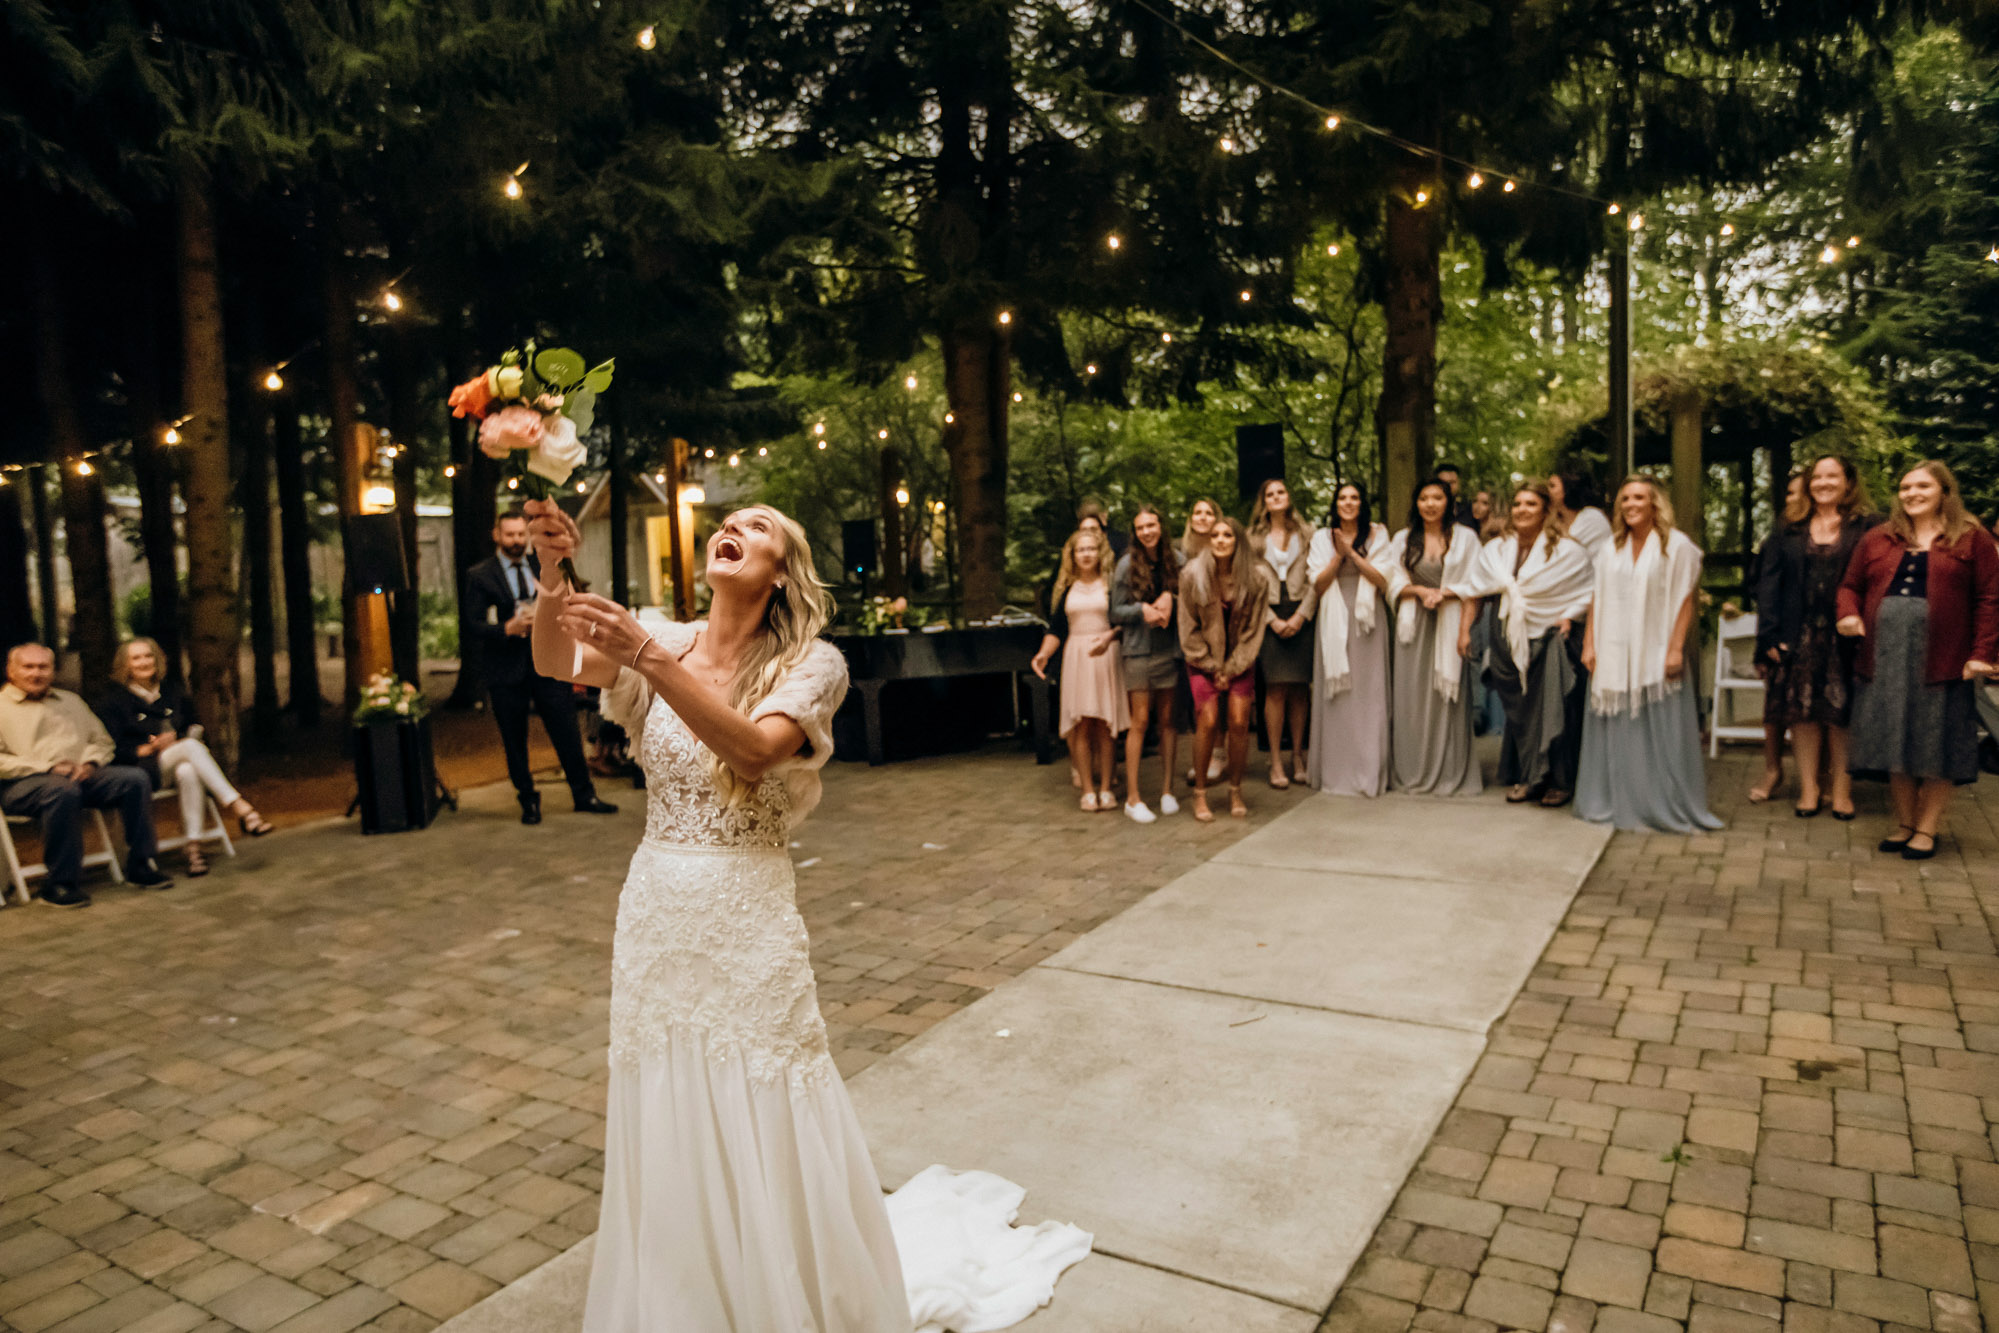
(710, 951)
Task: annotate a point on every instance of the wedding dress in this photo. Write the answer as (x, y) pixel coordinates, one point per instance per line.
(739, 1196)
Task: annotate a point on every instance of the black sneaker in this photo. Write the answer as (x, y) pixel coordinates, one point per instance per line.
(147, 875)
(64, 895)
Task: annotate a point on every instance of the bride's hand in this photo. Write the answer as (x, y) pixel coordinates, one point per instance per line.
(554, 533)
(605, 626)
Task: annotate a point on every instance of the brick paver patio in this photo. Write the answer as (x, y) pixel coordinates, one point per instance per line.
(352, 1082)
(1751, 1086)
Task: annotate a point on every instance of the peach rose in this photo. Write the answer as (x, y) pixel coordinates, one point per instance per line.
(471, 398)
(508, 429)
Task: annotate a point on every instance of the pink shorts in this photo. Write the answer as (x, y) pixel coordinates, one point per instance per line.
(1205, 693)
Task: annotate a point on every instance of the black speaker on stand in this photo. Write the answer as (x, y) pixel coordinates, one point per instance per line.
(375, 555)
(1259, 456)
(857, 548)
(396, 786)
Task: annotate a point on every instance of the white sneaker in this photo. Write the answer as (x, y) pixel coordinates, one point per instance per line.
(1140, 813)
(1168, 806)
(1215, 769)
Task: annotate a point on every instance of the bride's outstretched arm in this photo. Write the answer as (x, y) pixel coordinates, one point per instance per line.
(751, 748)
(556, 652)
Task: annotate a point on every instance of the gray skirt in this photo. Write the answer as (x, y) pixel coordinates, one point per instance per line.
(1903, 724)
(1287, 661)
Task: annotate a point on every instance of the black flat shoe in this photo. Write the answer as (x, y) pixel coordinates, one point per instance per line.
(65, 895)
(1893, 845)
(1812, 813)
(146, 875)
(596, 805)
(1920, 853)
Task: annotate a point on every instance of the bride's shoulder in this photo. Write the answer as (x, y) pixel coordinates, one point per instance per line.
(824, 660)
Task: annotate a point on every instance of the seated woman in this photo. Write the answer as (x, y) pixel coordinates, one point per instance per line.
(1543, 579)
(152, 724)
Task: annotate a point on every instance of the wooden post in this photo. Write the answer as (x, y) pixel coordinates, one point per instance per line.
(1399, 440)
(1688, 469)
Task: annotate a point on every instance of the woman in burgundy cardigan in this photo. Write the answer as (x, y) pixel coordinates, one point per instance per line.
(1922, 596)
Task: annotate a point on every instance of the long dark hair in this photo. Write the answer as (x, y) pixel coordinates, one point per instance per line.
(1579, 491)
(1363, 522)
(1147, 577)
(1246, 587)
(1412, 551)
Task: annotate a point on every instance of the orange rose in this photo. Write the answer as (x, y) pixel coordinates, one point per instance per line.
(471, 398)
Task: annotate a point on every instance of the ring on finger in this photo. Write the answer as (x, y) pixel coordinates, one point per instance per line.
(593, 631)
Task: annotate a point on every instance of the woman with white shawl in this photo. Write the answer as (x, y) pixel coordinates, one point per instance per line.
(1641, 760)
(1348, 753)
(1544, 581)
(1430, 728)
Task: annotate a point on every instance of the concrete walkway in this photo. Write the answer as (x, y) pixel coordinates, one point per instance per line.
(1229, 1082)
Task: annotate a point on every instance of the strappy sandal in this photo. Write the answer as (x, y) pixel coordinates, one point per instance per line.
(1237, 810)
(1278, 780)
(254, 825)
(1201, 811)
(197, 860)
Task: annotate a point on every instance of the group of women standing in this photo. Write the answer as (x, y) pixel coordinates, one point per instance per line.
(1871, 638)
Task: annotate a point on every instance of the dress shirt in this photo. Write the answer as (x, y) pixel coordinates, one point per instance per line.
(38, 734)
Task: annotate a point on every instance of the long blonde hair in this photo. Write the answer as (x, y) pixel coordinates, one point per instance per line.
(1260, 516)
(1066, 576)
(1951, 512)
(121, 661)
(799, 609)
(1662, 511)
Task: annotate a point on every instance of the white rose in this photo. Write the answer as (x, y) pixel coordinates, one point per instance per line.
(559, 453)
(504, 381)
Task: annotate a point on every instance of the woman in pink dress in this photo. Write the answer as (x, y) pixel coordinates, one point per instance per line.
(1094, 709)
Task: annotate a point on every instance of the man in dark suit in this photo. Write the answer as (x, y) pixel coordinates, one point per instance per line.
(501, 592)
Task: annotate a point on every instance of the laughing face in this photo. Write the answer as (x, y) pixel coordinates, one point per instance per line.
(747, 551)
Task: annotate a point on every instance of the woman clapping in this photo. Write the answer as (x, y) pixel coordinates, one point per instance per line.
(1223, 611)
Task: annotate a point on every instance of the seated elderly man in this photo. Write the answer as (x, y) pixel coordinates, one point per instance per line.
(55, 759)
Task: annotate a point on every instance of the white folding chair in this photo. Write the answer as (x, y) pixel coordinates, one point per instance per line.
(1733, 676)
(20, 874)
(212, 813)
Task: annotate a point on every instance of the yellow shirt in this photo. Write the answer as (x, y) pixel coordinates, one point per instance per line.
(38, 734)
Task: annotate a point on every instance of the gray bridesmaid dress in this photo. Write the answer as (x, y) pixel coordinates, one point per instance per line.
(1431, 739)
(1349, 754)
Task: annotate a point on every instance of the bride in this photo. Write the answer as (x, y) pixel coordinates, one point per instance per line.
(738, 1192)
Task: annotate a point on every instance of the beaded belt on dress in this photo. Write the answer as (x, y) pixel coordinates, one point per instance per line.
(711, 849)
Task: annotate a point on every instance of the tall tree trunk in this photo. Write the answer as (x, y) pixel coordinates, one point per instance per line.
(17, 613)
(620, 484)
(154, 463)
(214, 635)
(295, 555)
(1411, 302)
(466, 539)
(405, 611)
(976, 365)
(895, 581)
(45, 561)
(258, 575)
(95, 625)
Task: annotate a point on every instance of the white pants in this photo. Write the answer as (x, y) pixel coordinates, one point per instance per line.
(195, 773)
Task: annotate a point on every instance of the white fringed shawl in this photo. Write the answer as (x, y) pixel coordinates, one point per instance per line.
(1548, 589)
(1632, 620)
(1458, 563)
(1333, 629)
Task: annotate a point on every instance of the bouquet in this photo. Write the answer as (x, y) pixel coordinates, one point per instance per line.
(387, 698)
(533, 410)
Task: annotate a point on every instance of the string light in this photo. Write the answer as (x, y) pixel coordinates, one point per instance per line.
(1829, 255)
(1508, 187)
(513, 483)
(882, 434)
(451, 470)
(1637, 222)
(822, 444)
(902, 495)
(659, 477)
(391, 300)
(707, 453)
(1090, 369)
(1113, 240)
(647, 38)
(274, 381)
(1992, 255)
(1166, 337)
(910, 384)
(1228, 144)
(1016, 396)
(763, 451)
(950, 418)
(1422, 198)
(512, 189)
(83, 468)
(169, 436)
(735, 460)
(693, 495)
(818, 428)
(1615, 209)
(1006, 316)
(1332, 122)
(1728, 229)
(581, 487)
(1333, 249)
(1853, 242)
(1475, 180)
(1245, 294)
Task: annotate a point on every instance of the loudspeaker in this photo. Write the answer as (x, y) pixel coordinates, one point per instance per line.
(1259, 456)
(375, 554)
(857, 545)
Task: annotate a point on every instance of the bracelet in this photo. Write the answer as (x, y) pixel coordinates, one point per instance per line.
(641, 651)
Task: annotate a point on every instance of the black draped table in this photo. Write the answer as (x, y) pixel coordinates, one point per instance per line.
(879, 661)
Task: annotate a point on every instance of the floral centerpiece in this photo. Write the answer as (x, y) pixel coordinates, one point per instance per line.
(388, 698)
(533, 410)
(880, 613)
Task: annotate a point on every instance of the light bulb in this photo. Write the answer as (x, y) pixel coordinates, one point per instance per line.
(882, 434)
(902, 495)
(1332, 122)
(1728, 229)
(1853, 242)
(910, 383)
(83, 468)
(392, 301)
(170, 436)
(1333, 249)
(822, 444)
(1090, 369)
(693, 495)
(1006, 317)
(1166, 337)
(647, 38)
(707, 453)
(1474, 180)
(451, 470)
(512, 189)
(735, 460)
(274, 381)
(950, 418)
(1992, 256)
(1228, 144)
(763, 451)
(581, 487)
(1245, 294)
(1508, 187)
(1113, 241)
(659, 477)
(1615, 209)
(1422, 198)
(513, 483)
(1637, 222)
(819, 428)
(1829, 255)
(379, 497)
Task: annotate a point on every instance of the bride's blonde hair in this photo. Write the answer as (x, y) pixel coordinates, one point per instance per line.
(798, 611)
